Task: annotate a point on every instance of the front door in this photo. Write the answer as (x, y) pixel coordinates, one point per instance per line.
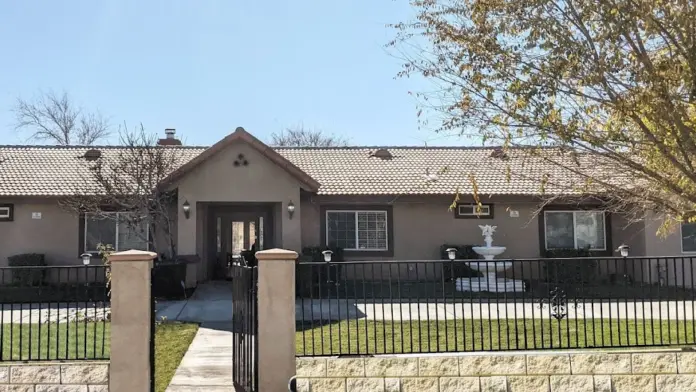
(240, 235)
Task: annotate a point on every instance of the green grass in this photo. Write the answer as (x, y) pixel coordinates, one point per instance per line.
(46, 342)
(51, 341)
(171, 342)
(376, 337)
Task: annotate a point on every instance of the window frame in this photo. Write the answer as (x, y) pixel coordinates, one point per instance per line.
(9, 217)
(352, 206)
(474, 215)
(87, 215)
(681, 239)
(575, 239)
(357, 231)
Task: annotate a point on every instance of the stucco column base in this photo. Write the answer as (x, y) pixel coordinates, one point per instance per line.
(131, 312)
(276, 318)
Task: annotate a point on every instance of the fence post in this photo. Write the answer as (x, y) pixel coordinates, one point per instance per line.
(131, 313)
(276, 318)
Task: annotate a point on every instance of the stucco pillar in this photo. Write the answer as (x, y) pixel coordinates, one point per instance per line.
(131, 312)
(276, 318)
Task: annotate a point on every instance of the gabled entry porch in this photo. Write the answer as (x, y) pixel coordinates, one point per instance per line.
(237, 192)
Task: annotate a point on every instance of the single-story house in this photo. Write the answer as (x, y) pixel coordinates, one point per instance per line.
(377, 203)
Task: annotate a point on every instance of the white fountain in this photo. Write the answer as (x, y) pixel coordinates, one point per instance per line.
(489, 268)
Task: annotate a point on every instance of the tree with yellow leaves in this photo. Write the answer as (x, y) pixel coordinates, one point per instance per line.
(613, 80)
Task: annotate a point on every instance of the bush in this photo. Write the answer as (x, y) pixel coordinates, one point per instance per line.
(25, 276)
(307, 277)
(459, 270)
(570, 271)
(568, 253)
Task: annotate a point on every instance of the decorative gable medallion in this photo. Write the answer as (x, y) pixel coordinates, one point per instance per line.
(241, 161)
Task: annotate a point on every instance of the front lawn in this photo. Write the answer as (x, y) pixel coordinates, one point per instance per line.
(386, 337)
(92, 340)
(52, 341)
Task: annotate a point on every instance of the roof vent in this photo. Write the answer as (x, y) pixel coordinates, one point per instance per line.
(382, 153)
(92, 155)
(499, 153)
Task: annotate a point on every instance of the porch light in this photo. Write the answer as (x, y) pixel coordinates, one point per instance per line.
(187, 208)
(86, 258)
(327, 255)
(623, 249)
(291, 209)
(451, 253)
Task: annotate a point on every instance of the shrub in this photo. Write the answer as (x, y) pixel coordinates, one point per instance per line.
(307, 277)
(568, 253)
(27, 276)
(570, 271)
(459, 270)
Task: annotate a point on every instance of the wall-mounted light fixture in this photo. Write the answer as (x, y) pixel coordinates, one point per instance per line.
(291, 209)
(187, 209)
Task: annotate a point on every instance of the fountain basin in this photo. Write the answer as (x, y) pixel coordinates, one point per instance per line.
(489, 252)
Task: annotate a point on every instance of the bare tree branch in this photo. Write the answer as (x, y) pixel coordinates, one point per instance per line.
(301, 137)
(132, 179)
(55, 118)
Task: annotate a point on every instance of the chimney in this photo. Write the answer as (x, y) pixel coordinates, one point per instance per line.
(170, 139)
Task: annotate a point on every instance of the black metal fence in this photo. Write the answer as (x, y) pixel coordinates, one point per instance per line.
(385, 307)
(54, 313)
(244, 327)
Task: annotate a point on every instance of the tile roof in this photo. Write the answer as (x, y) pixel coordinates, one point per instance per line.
(59, 171)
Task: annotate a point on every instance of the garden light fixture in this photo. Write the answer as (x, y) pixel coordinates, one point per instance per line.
(327, 255)
(452, 253)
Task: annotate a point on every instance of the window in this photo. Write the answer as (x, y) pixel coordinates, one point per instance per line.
(6, 212)
(357, 230)
(688, 237)
(473, 210)
(575, 229)
(113, 229)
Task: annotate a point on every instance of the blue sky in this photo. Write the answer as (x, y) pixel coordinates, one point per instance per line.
(205, 67)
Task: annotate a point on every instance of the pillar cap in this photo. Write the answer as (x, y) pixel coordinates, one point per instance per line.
(276, 254)
(132, 255)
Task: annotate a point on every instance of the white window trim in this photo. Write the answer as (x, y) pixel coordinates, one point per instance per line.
(485, 210)
(357, 243)
(5, 212)
(575, 238)
(115, 245)
(681, 241)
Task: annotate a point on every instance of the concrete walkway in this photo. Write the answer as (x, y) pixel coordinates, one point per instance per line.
(210, 303)
(207, 365)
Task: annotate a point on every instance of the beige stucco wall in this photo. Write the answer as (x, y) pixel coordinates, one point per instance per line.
(667, 244)
(218, 180)
(55, 234)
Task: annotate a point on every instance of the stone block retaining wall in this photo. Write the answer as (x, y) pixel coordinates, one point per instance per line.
(54, 377)
(647, 371)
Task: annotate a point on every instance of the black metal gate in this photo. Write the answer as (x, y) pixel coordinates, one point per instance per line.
(244, 327)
